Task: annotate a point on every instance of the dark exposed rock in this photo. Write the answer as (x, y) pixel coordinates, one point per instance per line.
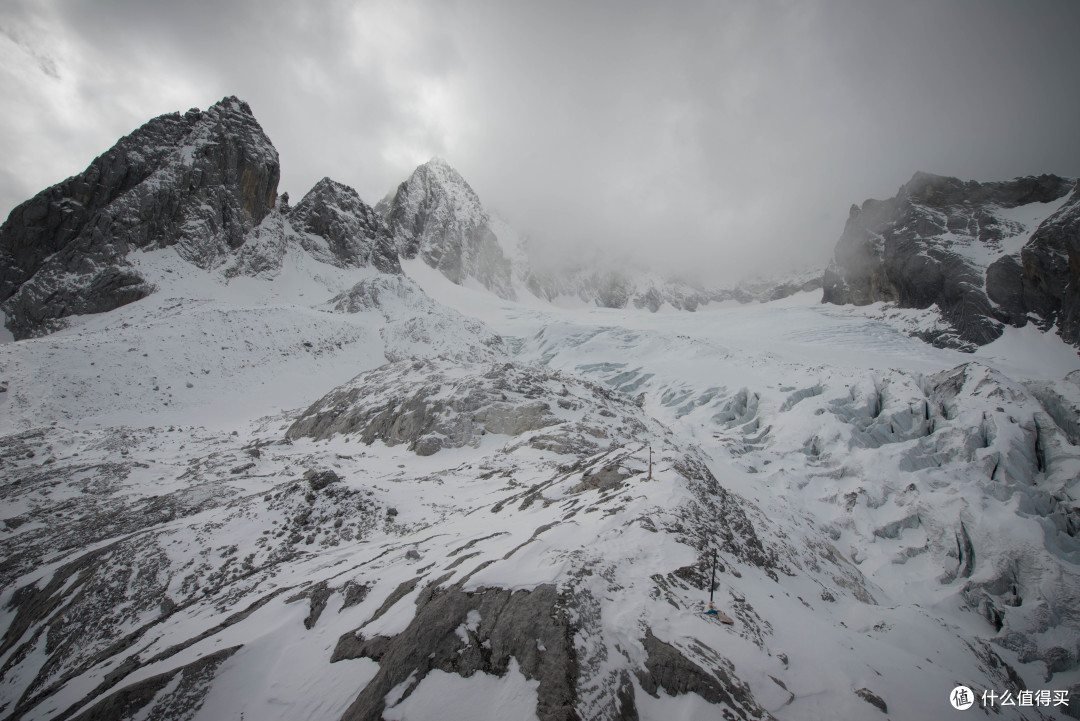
(181, 702)
(530, 627)
(198, 182)
(922, 249)
(1051, 269)
(872, 698)
(1042, 279)
(505, 399)
(319, 480)
(336, 227)
(455, 406)
(667, 668)
(354, 593)
(1005, 287)
(320, 594)
(33, 605)
(625, 697)
(603, 479)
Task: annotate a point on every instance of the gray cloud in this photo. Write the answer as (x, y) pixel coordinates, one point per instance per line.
(718, 135)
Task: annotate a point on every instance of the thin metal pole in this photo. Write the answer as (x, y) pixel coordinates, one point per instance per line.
(712, 583)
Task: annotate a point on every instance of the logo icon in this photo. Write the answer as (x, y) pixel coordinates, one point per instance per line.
(962, 698)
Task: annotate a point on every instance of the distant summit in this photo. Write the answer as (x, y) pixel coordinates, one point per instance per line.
(437, 216)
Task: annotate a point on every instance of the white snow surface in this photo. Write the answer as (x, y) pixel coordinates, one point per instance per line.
(858, 456)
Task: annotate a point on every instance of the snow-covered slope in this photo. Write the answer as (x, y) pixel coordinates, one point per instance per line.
(482, 515)
(226, 347)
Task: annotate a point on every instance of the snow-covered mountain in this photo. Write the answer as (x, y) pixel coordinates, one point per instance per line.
(981, 254)
(291, 481)
(199, 181)
(437, 216)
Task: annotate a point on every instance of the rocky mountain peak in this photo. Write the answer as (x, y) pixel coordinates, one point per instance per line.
(199, 182)
(437, 216)
(434, 192)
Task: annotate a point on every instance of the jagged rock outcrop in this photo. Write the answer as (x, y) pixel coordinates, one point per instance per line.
(199, 181)
(668, 669)
(498, 628)
(455, 406)
(436, 215)
(336, 227)
(982, 253)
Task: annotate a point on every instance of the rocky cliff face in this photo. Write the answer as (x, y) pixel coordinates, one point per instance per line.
(436, 215)
(198, 181)
(1043, 279)
(982, 253)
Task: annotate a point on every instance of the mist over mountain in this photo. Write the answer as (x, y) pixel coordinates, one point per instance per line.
(981, 254)
(272, 459)
(726, 135)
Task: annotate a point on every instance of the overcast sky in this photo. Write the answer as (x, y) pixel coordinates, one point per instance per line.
(722, 135)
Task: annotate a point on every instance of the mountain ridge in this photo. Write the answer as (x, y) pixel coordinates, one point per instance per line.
(936, 245)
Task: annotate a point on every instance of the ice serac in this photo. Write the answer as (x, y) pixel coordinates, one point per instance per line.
(436, 215)
(198, 181)
(983, 254)
(336, 227)
(416, 325)
(624, 286)
(616, 287)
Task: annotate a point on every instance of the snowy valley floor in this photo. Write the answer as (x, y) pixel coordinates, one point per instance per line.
(186, 536)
